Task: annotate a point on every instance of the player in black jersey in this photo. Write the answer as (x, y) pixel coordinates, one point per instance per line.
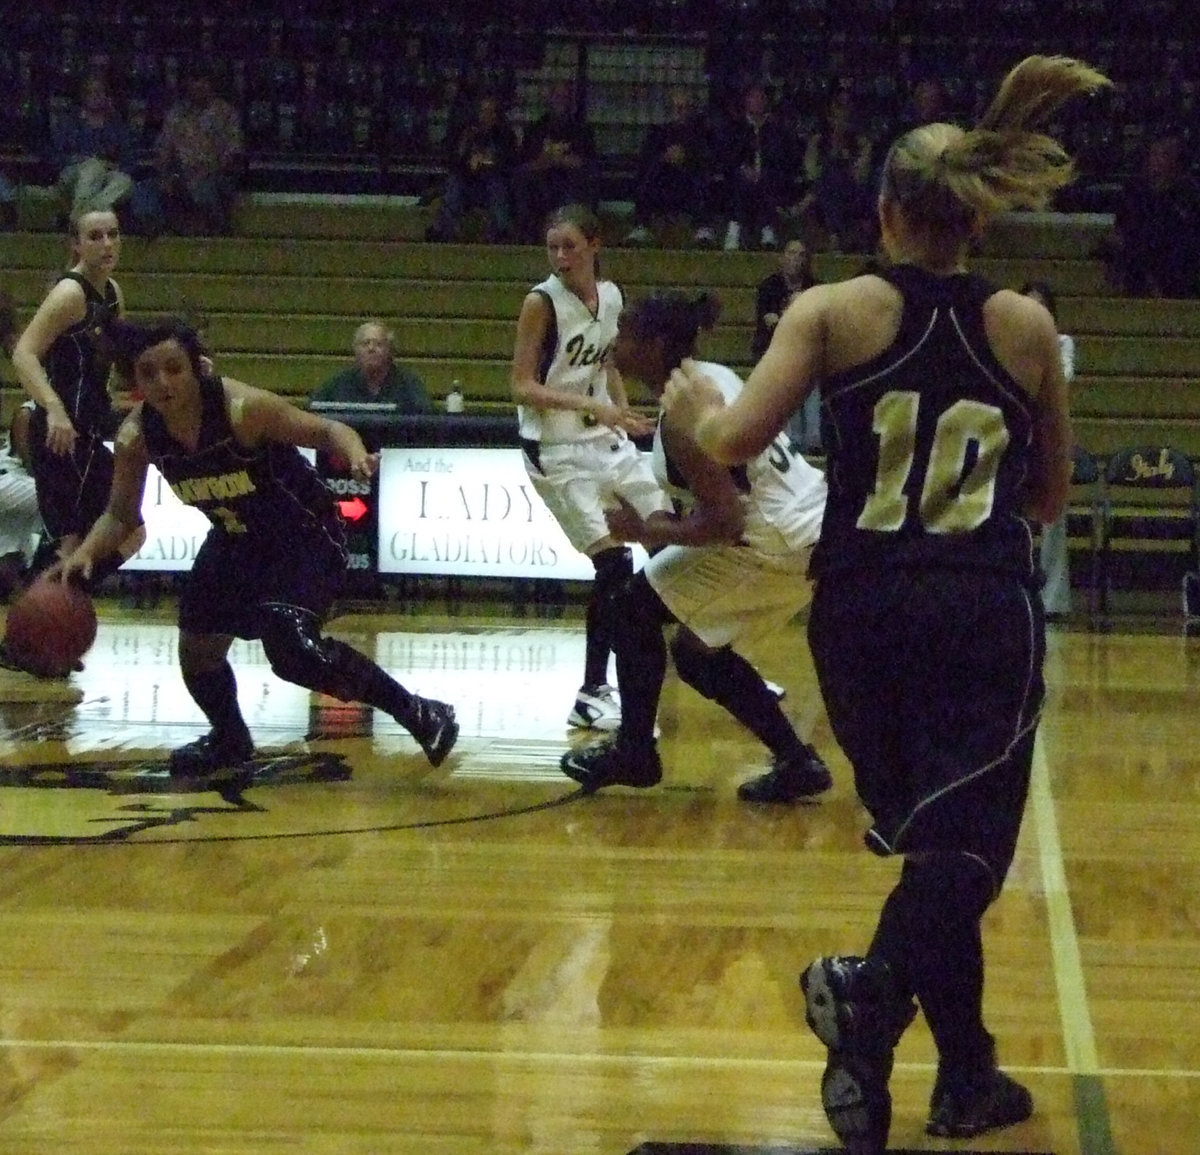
(63, 362)
(275, 554)
(944, 416)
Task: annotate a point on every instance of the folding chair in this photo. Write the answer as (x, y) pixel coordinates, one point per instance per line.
(1085, 518)
(1150, 519)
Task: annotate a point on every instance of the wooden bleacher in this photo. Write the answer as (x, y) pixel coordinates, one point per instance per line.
(280, 301)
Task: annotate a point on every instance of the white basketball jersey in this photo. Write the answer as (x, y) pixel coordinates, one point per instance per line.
(577, 363)
(783, 496)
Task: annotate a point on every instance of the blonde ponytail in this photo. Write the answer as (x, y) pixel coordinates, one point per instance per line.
(947, 180)
(1036, 88)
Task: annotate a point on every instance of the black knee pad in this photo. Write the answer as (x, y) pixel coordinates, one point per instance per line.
(292, 641)
(299, 653)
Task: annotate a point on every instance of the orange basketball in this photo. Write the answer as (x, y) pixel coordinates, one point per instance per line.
(50, 627)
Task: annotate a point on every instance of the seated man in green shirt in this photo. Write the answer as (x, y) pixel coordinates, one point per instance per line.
(375, 376)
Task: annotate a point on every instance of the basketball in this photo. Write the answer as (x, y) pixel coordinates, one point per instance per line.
(50, 627)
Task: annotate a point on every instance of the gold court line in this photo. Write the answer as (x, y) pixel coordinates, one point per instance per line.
(1078, 1035)
(307, 1050)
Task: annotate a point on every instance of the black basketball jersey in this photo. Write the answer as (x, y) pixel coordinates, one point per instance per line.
(929, 444)
(78, 361)
(268, 496)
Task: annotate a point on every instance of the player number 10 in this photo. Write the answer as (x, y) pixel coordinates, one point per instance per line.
(956, 497)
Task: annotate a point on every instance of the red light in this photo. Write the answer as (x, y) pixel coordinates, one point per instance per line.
(354, 509)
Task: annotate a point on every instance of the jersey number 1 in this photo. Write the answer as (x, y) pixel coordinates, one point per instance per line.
(956, 497)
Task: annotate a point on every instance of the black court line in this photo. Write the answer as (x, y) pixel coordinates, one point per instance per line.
(231, 790)
(736, 1149)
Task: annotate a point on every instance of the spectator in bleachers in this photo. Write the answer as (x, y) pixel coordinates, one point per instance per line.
(775, 291)
(673, 175)
(1155, 246)
(838, 170)
(375, 375)
(774, 294)
(8, 204)
(758, 164)
(927, 103)
(199, 158)
(410, 95)
(557, 164)
(93, 151)
(481, 162)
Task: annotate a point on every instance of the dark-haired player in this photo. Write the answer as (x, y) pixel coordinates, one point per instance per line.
(274, 556)
(732, 565)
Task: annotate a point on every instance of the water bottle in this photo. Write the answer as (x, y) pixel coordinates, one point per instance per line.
(454, 399)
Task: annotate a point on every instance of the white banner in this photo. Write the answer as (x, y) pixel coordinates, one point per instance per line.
(470, 512)
(473, 513)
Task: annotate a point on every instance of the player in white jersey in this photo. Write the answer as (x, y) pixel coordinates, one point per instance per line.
(731, 563)
(575, 426)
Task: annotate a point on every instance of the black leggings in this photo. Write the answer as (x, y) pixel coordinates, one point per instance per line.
(930, 935)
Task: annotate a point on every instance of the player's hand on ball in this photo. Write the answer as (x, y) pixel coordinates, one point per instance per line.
(72, 569)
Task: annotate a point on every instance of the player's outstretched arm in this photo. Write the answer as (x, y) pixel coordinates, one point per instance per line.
(121, 520)
(258, 416)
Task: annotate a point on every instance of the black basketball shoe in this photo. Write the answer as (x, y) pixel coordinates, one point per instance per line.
(961, 1109)
(792, 777)
(851, 1005)
(433, 725)
(210, 753)
(611, 764)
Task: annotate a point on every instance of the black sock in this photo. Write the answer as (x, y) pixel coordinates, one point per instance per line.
(641, 659)
(215, 692)
(725, 677)
(358, 679)
(613, 569)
